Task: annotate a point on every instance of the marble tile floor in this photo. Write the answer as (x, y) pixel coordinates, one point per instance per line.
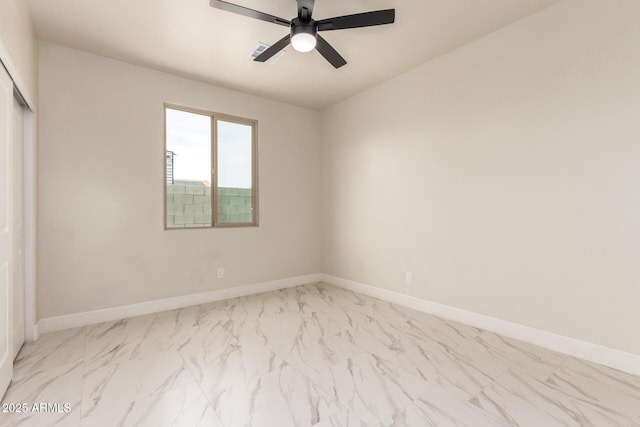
(313, 355)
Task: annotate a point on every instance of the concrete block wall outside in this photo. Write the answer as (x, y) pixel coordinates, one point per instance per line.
(183, 199)
(193, 189)
(176, 189)
(190, 205)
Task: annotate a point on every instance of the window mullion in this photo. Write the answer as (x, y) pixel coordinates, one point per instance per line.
(214, 173)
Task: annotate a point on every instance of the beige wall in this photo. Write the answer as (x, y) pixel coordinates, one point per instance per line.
(505, 175)
(101, 150)
(18, 42)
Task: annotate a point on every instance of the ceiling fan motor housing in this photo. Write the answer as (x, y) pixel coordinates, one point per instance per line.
(303, 27)
(304, 34)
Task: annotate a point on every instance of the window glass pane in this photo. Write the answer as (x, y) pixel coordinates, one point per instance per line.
(188, 166)
(234, 172)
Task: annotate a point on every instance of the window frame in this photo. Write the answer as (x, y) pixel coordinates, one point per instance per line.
(215, 117)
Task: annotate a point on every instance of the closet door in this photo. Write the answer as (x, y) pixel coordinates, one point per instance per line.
(6, 231)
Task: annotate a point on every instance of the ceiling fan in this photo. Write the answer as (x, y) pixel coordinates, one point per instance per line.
(304, 35)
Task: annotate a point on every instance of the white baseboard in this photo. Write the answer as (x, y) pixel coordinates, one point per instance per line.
(57, 323)
(607, 356)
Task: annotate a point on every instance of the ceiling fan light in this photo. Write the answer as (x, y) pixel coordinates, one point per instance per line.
(303, 42)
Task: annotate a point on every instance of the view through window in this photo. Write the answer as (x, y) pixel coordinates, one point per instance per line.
(210, 169)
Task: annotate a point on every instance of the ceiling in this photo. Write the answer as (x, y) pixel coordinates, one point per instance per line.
(191, 39)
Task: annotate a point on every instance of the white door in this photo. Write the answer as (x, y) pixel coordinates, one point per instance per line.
(6, 231)
(17, 280)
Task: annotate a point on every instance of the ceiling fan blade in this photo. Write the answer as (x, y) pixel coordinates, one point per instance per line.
(273, 49)
(366, 19)
(305, 9)
(230, 7)
(329, 53)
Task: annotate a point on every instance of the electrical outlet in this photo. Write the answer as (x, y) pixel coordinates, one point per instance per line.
(408, 277)
(220, 273)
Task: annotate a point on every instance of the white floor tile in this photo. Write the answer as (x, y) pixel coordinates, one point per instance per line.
(588, 381)
(439, 408)
(184, 406)
(526, 401)
(118, 385)
(373, 389)
(50, 351)
(312, 355)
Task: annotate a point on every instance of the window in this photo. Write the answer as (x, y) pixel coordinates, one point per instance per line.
(210, 169)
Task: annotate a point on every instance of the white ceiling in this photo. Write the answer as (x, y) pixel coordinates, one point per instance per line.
(191, 39)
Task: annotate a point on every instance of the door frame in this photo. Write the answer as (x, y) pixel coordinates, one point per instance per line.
(30, 186)
(30, 173)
